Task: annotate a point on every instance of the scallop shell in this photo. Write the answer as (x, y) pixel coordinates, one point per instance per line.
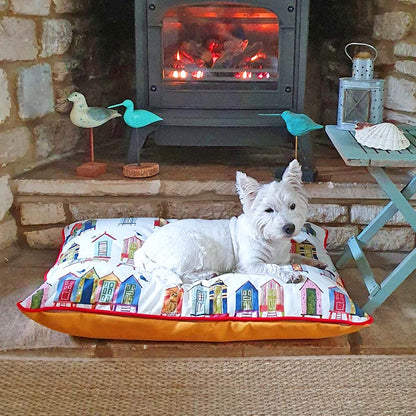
(385, 136)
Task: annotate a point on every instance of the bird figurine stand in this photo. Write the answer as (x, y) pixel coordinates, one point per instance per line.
(297, 125)
(91, 169)
(142, 123)
(89, 117)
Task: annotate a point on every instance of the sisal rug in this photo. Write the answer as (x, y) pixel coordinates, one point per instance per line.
(334, 385)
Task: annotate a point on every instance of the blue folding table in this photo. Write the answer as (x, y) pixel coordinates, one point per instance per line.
(376, 160)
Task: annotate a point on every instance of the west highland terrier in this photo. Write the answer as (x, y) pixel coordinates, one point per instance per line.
(256, 242)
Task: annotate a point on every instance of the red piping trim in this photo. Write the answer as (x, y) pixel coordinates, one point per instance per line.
(326, 237)
(191, 318)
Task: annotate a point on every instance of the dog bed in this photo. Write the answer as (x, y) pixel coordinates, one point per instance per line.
(94, 291)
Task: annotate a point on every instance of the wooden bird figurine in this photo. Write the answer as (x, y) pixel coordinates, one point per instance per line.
(297, 125)
(141, 121)
(136, 118)
(89, 117)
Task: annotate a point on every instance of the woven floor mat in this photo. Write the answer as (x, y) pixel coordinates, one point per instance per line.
(336, 385)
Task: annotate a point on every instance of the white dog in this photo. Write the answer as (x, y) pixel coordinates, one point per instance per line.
(256, 242)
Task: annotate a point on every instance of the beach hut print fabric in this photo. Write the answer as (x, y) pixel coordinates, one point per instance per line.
(218, 299)
(311, 299)
(271, 304)
(95, 273)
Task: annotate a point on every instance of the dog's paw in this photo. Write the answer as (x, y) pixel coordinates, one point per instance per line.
(291, 277)
(320, 265)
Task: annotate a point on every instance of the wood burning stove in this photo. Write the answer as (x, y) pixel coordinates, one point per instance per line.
(209, 68)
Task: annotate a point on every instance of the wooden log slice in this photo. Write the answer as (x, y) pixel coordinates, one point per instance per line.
(142, 170)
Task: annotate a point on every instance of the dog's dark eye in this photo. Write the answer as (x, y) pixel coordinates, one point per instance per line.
(269, 210)
(292, 206)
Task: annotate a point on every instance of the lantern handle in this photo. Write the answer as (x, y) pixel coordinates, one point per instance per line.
(361, 44)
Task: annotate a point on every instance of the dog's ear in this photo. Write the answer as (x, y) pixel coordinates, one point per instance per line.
(247, 189)
(293, 173)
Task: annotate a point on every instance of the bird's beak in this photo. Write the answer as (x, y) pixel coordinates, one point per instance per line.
(115, 105)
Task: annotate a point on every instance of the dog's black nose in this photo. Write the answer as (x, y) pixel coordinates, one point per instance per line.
(289, 229)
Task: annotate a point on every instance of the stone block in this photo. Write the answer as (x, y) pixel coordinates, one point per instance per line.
(36, 213)
(44, 239)
(392, 25)
(55, 135)
(17, 39)
(405, 49)
(34, 91)
(406, 67)
(62, 70)
(6, 199)
(364, 214)
(399, 117)
(4, 97)
(4, 4)
(393, 239)
(328, 213)
(339, 236)
(56, 37)
(8, 231)
(33, 7)
(400, 94)
(137, 208)
(70, 6)
(211, 210)
(14, 144)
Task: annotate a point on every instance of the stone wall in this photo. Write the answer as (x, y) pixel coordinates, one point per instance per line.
(394, 32)
(49, 48)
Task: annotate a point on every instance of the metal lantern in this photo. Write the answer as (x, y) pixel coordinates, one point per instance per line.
(361, 96)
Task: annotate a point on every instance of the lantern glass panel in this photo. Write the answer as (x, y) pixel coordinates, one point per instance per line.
(357, 105)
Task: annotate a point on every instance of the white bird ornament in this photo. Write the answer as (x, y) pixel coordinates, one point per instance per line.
(89, 117)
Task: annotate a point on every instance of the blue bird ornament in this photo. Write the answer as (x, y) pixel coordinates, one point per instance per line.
(297, 124)
(136, 118)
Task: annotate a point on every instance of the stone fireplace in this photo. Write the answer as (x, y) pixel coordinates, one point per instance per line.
(209, 68)
(53, 47)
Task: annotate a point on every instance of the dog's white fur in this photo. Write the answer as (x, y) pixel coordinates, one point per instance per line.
(256, 242)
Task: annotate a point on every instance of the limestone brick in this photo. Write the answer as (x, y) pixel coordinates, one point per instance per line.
(4, 97)
(55, 135)
(364, 214)
(6, 199)
(138, 208)
(14, 144)
(17, 39)
(392, 25)
(405, 49)
(44, 239)
(406, 67)
(4, 4)
(33, 7)
(212, 210)
(328, 213)
(8, 231)
(36, 213)
(56, 37)
(70, 6)
(34, 91)
(399, 117)
(393, 239)
(400, 94)
(339, 236)
(62, 70)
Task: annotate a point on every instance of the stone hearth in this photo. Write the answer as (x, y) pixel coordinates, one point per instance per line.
(199, 183)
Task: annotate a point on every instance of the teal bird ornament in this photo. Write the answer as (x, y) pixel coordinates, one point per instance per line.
(89, 117)
(297, 125)
(142, 124)
(136, 118)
